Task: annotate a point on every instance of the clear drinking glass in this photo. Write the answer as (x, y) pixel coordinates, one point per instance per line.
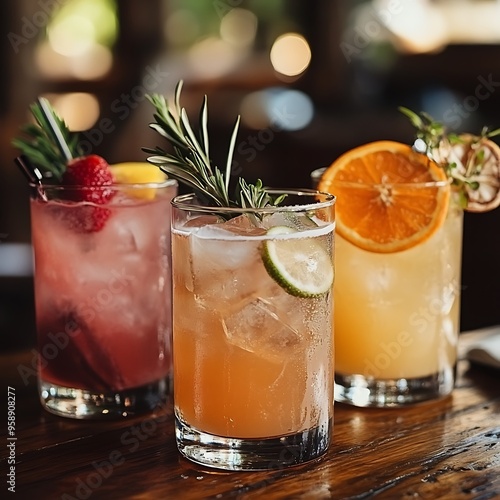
(102, 296)
(397, 315)
(253, 364)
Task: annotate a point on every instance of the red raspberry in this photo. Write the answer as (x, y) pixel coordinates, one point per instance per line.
(92, 175)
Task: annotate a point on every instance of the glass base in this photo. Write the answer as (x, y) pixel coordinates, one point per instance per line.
(81, 404)
(251, 453)
(362, 391)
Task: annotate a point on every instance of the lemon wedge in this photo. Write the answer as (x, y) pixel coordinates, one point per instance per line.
(138, 173)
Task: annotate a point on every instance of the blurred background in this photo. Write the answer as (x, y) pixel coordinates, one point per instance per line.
(309, 79)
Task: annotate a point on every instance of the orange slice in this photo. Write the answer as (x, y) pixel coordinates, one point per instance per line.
(389, 197)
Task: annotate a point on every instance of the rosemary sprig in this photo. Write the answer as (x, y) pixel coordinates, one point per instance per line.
(48, 144)
(190, 163)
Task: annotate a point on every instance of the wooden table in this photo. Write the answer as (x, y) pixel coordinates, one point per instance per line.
(445, 449)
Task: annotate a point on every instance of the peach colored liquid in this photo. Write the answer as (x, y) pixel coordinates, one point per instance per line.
(246, 374)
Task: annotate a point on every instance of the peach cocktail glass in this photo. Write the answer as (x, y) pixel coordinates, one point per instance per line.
(397, 314)
(253, 363)
(397, 318)
(102, 299)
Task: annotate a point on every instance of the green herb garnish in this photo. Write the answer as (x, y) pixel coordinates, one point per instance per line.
(48, 144)
(190, 163)
(472, 162)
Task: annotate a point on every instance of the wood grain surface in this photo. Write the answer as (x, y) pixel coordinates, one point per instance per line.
(446, 449)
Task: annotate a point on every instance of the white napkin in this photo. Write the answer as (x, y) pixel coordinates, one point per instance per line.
(486, 351)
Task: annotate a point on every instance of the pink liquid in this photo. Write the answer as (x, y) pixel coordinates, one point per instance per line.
(103, 298)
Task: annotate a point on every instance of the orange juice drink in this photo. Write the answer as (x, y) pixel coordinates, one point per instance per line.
(397, 288)
(397, 318)
(411, 305)
(252, 332)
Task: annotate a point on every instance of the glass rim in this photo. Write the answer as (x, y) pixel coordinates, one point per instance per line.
(181, 202)
(116, 185)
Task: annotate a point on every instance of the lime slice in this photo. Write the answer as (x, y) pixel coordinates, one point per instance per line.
(138, 173)
(300, 265)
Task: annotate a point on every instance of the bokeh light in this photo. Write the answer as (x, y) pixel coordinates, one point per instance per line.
(79, 110)
(71, 36)
(79, 40)
(278, 108)
(291, 109)
(91, 64)
(239, 27)
(212, 58)
(419, 26)
(290, 54)
(81, 22)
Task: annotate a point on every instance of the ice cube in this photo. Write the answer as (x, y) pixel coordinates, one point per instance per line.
(129, 229)
(298, 221)
(224, 245)
(125, 241)
(257, 325)
(237, 272)
(244, 225)
(202, 220)
(225, 263)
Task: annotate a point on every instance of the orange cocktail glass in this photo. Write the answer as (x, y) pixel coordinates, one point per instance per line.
(398, 276)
